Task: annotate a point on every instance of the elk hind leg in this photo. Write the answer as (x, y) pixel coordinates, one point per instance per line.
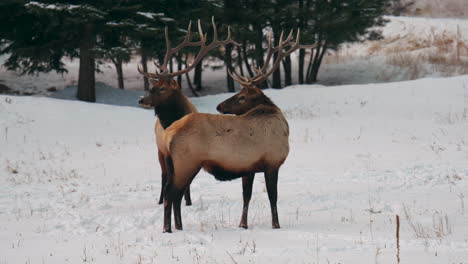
(247, 182)
(188, 199)
(271, 180)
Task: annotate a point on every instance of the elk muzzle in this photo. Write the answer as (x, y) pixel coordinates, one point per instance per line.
(219, 108)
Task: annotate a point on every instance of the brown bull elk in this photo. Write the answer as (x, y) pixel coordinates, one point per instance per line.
(165, 96)
(255, 139)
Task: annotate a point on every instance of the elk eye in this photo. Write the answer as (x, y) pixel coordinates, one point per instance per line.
(162, 89)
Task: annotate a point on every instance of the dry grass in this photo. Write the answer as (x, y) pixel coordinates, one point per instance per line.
(440, 8)
(445, 53)
(439, 229)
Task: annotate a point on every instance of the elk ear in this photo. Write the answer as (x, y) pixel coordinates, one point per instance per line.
(154, 82)
(174, 85)
(253, 90)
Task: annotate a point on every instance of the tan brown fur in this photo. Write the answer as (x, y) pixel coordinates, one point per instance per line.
(229, 147)
(159, 130)
(238, 144)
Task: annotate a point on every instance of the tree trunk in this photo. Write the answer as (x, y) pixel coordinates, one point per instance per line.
(302, 52)
(309, 66)
(86, 82)
(276, 74)
(287, 71)
(246, 59)
(316, 66)
(189, 82)
(239, 60)
(258, 41)
(197, 79)
(171, 65)
(301, 66)
(315, 63)
(118, 68)
(144, 62)
(228, 64)
(179, 68)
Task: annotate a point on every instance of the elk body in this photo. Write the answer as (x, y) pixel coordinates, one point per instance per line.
(169, 105)
(230, 147)
(168, 101)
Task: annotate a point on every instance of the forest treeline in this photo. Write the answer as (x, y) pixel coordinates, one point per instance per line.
(37, 35)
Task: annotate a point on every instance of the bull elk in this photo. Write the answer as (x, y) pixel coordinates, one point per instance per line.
(254, 139)
(165, 96)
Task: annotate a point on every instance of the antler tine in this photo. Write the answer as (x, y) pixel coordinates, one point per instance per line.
(215, 31)
(261, 75)
(281, 54)
(296, 45)
(189, 31)
(305, 46)
(243, 83)
(146, 74)
(204, 49)
(288, 39)
(200, 33)
(241, 77)
(163, 67)
(271, 51)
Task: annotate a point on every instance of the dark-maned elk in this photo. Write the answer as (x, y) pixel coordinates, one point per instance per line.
(165, 96)
(255, 139)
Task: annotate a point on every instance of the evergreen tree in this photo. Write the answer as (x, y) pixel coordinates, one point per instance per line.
(334, 22)
(42, 33)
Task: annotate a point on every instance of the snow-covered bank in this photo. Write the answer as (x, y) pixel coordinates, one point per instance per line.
(80, 182)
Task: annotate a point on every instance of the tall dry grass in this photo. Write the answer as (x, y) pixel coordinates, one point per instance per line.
(444, 53)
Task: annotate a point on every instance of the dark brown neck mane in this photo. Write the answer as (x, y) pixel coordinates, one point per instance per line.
(264, 100)
(172, 110)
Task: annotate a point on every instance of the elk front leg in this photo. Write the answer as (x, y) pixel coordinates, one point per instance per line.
(247, 182)
(162, 162)
(271, 180)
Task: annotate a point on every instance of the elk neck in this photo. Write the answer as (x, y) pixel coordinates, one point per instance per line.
(172, 110)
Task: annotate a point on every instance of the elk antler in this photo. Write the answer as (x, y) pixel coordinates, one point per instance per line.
(204, 49)
(261, 74)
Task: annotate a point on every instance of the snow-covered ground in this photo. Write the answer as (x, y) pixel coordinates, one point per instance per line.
(412, 48)
(80, 182)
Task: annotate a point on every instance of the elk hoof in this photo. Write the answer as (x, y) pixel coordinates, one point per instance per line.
(167, 230)
(243, 225)
(188, 203)
(276, 226)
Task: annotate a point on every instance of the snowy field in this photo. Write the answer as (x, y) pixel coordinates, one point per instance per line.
(80, 182)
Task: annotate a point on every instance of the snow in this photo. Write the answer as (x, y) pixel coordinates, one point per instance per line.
(52, 6)
(150, 15)
(80, 181)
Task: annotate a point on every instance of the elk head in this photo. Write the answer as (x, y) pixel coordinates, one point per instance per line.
(242, 102)
(163, 85)
(250, 95)
(162, 91)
